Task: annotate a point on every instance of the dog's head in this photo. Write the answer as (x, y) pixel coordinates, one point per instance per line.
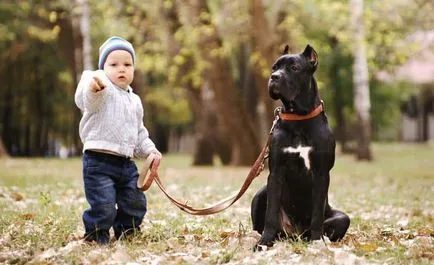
(291, 77)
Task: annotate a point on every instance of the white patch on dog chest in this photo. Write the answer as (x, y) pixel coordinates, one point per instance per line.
(303, 152)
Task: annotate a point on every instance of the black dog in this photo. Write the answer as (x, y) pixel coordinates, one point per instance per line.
(302, 152)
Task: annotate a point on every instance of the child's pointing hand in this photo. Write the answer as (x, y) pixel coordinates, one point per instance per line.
(96, 85)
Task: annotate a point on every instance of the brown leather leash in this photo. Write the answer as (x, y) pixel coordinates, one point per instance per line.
(147, 178)
(149, 172)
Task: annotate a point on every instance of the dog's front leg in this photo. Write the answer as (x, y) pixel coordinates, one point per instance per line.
(272, 220)
(319, 198)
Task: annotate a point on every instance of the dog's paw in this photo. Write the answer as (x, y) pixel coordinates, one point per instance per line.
(262, 245)
(316, 235)
(258, 247)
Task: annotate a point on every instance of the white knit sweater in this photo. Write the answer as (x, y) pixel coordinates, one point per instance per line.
(112, 118)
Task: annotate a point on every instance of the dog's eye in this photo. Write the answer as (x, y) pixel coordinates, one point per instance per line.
(294, 68)
(274, 68)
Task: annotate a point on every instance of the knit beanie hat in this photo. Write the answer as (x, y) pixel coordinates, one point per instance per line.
(112, 44)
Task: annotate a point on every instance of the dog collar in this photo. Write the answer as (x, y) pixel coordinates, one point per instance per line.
(296, 117)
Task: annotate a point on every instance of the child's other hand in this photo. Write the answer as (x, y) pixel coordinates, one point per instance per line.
(157, 154)
(96, 85)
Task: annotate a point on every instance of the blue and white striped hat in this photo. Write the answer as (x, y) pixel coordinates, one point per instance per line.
(112, 44)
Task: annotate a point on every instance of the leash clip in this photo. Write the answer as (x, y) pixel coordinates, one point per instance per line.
(277, 112)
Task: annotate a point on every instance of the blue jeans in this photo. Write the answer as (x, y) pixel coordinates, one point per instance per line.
(114, 199)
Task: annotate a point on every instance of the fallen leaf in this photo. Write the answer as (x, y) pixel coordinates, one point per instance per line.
(226, 234)
(367, 247)
(224, 242)
(426, 231)
(17, 196)
(28, 216)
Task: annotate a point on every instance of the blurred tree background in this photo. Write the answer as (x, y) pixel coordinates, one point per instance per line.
(202, 68)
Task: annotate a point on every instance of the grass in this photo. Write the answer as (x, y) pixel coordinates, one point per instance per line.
(390, 202)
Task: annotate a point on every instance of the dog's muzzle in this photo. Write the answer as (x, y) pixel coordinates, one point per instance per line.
(273, 85)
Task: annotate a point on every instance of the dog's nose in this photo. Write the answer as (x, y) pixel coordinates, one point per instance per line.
(275, 77)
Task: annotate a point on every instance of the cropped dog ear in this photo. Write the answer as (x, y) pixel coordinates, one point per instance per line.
(285, 51)
(311, 56)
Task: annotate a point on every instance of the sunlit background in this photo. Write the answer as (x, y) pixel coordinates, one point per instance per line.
(203, 66)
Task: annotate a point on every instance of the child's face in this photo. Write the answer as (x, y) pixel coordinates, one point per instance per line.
(119, 68)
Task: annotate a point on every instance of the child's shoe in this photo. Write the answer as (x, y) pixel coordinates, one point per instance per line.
(102, 237)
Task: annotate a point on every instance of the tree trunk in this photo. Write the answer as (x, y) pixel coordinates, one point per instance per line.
(36, 110)
(204, 151)
(71, 44)
(85, 33)
(266, 42)
(3, 151)
(263, 42)
(209, 138)
(210, 135)
(362, 102)
(7, 112)
(338, 97)
(205, 140)
(242, 136)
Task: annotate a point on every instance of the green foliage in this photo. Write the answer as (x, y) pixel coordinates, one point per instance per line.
(42, 80)
(140, 23)
(172, 108)
(388, 25)
(385, 109)
(31, 61)
(45, 198)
